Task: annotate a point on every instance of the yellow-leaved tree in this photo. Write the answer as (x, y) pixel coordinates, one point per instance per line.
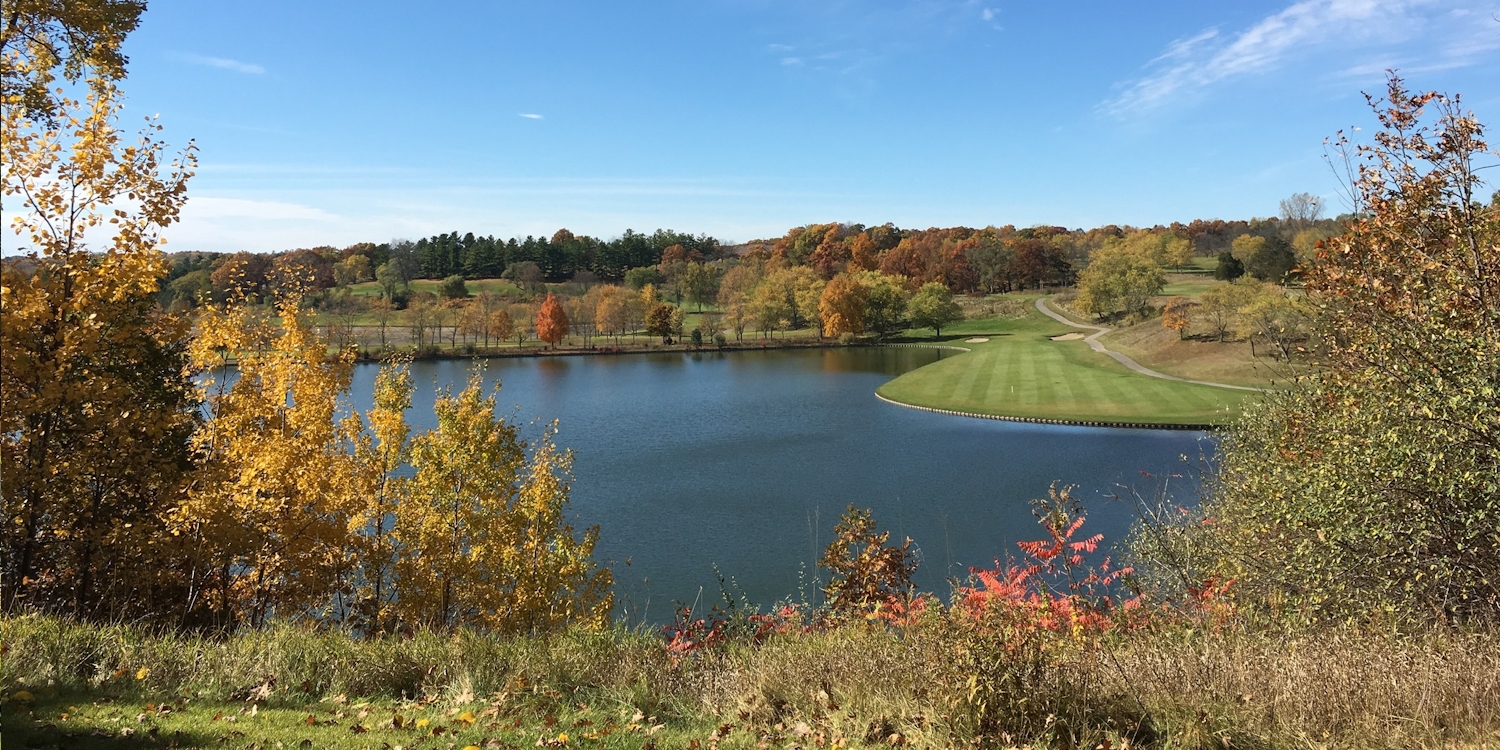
(483, 538)
(277, 487)
(94, 407)
(381, 444)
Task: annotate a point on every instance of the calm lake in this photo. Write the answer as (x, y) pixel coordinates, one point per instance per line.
(745, 460)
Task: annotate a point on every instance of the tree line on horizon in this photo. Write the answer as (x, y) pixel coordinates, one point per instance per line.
(966, 260)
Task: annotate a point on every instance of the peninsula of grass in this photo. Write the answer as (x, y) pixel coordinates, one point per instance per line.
(1022, 372)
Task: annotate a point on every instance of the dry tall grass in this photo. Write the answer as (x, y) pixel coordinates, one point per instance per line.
(874, 686)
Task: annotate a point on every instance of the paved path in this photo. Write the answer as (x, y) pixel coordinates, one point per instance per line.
(1093, 341)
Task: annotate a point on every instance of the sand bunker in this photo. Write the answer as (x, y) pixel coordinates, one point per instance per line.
(976, 340)
(1068, 337)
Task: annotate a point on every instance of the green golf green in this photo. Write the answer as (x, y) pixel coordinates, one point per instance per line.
(1022, 372)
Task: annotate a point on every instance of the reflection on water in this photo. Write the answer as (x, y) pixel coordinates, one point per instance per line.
(744, 461)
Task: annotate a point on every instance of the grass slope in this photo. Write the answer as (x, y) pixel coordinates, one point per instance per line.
(1021, 372)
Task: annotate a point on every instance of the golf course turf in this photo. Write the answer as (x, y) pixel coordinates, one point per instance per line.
(1021, 372)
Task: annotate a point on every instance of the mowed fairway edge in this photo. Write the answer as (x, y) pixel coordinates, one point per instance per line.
(1022, 372)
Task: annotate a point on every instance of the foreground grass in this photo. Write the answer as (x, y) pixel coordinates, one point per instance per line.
(79, 686)
(85, 721)
(1021, 372)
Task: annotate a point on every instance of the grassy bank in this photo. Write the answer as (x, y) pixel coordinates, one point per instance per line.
(75, 686)
(1021, 371)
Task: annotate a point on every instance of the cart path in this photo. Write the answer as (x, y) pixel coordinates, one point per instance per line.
(1093, 341)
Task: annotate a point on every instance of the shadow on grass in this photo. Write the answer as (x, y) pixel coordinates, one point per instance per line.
(20, 732)
(37, 727)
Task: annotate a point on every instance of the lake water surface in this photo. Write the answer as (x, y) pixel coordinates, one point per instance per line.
(744, 461)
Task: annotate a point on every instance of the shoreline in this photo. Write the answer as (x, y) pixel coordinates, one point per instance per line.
(366, 357)
(1058, 422)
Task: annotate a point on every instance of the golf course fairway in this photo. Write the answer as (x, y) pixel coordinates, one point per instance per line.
(1021, 372)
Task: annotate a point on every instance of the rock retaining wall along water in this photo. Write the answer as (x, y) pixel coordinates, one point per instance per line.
(1042, 420)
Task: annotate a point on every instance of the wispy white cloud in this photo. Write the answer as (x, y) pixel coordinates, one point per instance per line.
(531, 115)
(222, 63)
(224, 208)
(791, 61)
(1299, 31)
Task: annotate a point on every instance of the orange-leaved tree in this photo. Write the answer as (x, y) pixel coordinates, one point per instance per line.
(1175, 316)
(551, 321)
(842, 306)
(868, 575)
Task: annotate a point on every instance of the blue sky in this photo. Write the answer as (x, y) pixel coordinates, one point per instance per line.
(331, 123)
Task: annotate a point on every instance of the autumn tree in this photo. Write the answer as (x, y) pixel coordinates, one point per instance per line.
(833, 254)
(612, 311)
(885, 303)
(341, 311)
(866, 571)
(699, 283)
(79, 40)
(842, 306)
(379, 442)
(1268, 312)
(353, 270)
(1368, 490)
(734, 294)
(382, 309)
(499, 326)
(663, 320)
(580, 310)
(272, 500)
(933, 307)
(440, 313)
(488, 303)
(242, 276)
(771, 308)
(94, 410)
(471, 322)
(1176, 316)
(1219, 305)
(787, 298)
(1119, 279)
(863, 254)
(523, 319)
(486, 542)
(419, 319)
(551, 321)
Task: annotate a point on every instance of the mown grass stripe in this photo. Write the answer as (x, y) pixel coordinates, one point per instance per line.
(1021, 373)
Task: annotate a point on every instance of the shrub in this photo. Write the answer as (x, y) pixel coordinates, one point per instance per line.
(1368, 491)
(867, 574)
(453, 287)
